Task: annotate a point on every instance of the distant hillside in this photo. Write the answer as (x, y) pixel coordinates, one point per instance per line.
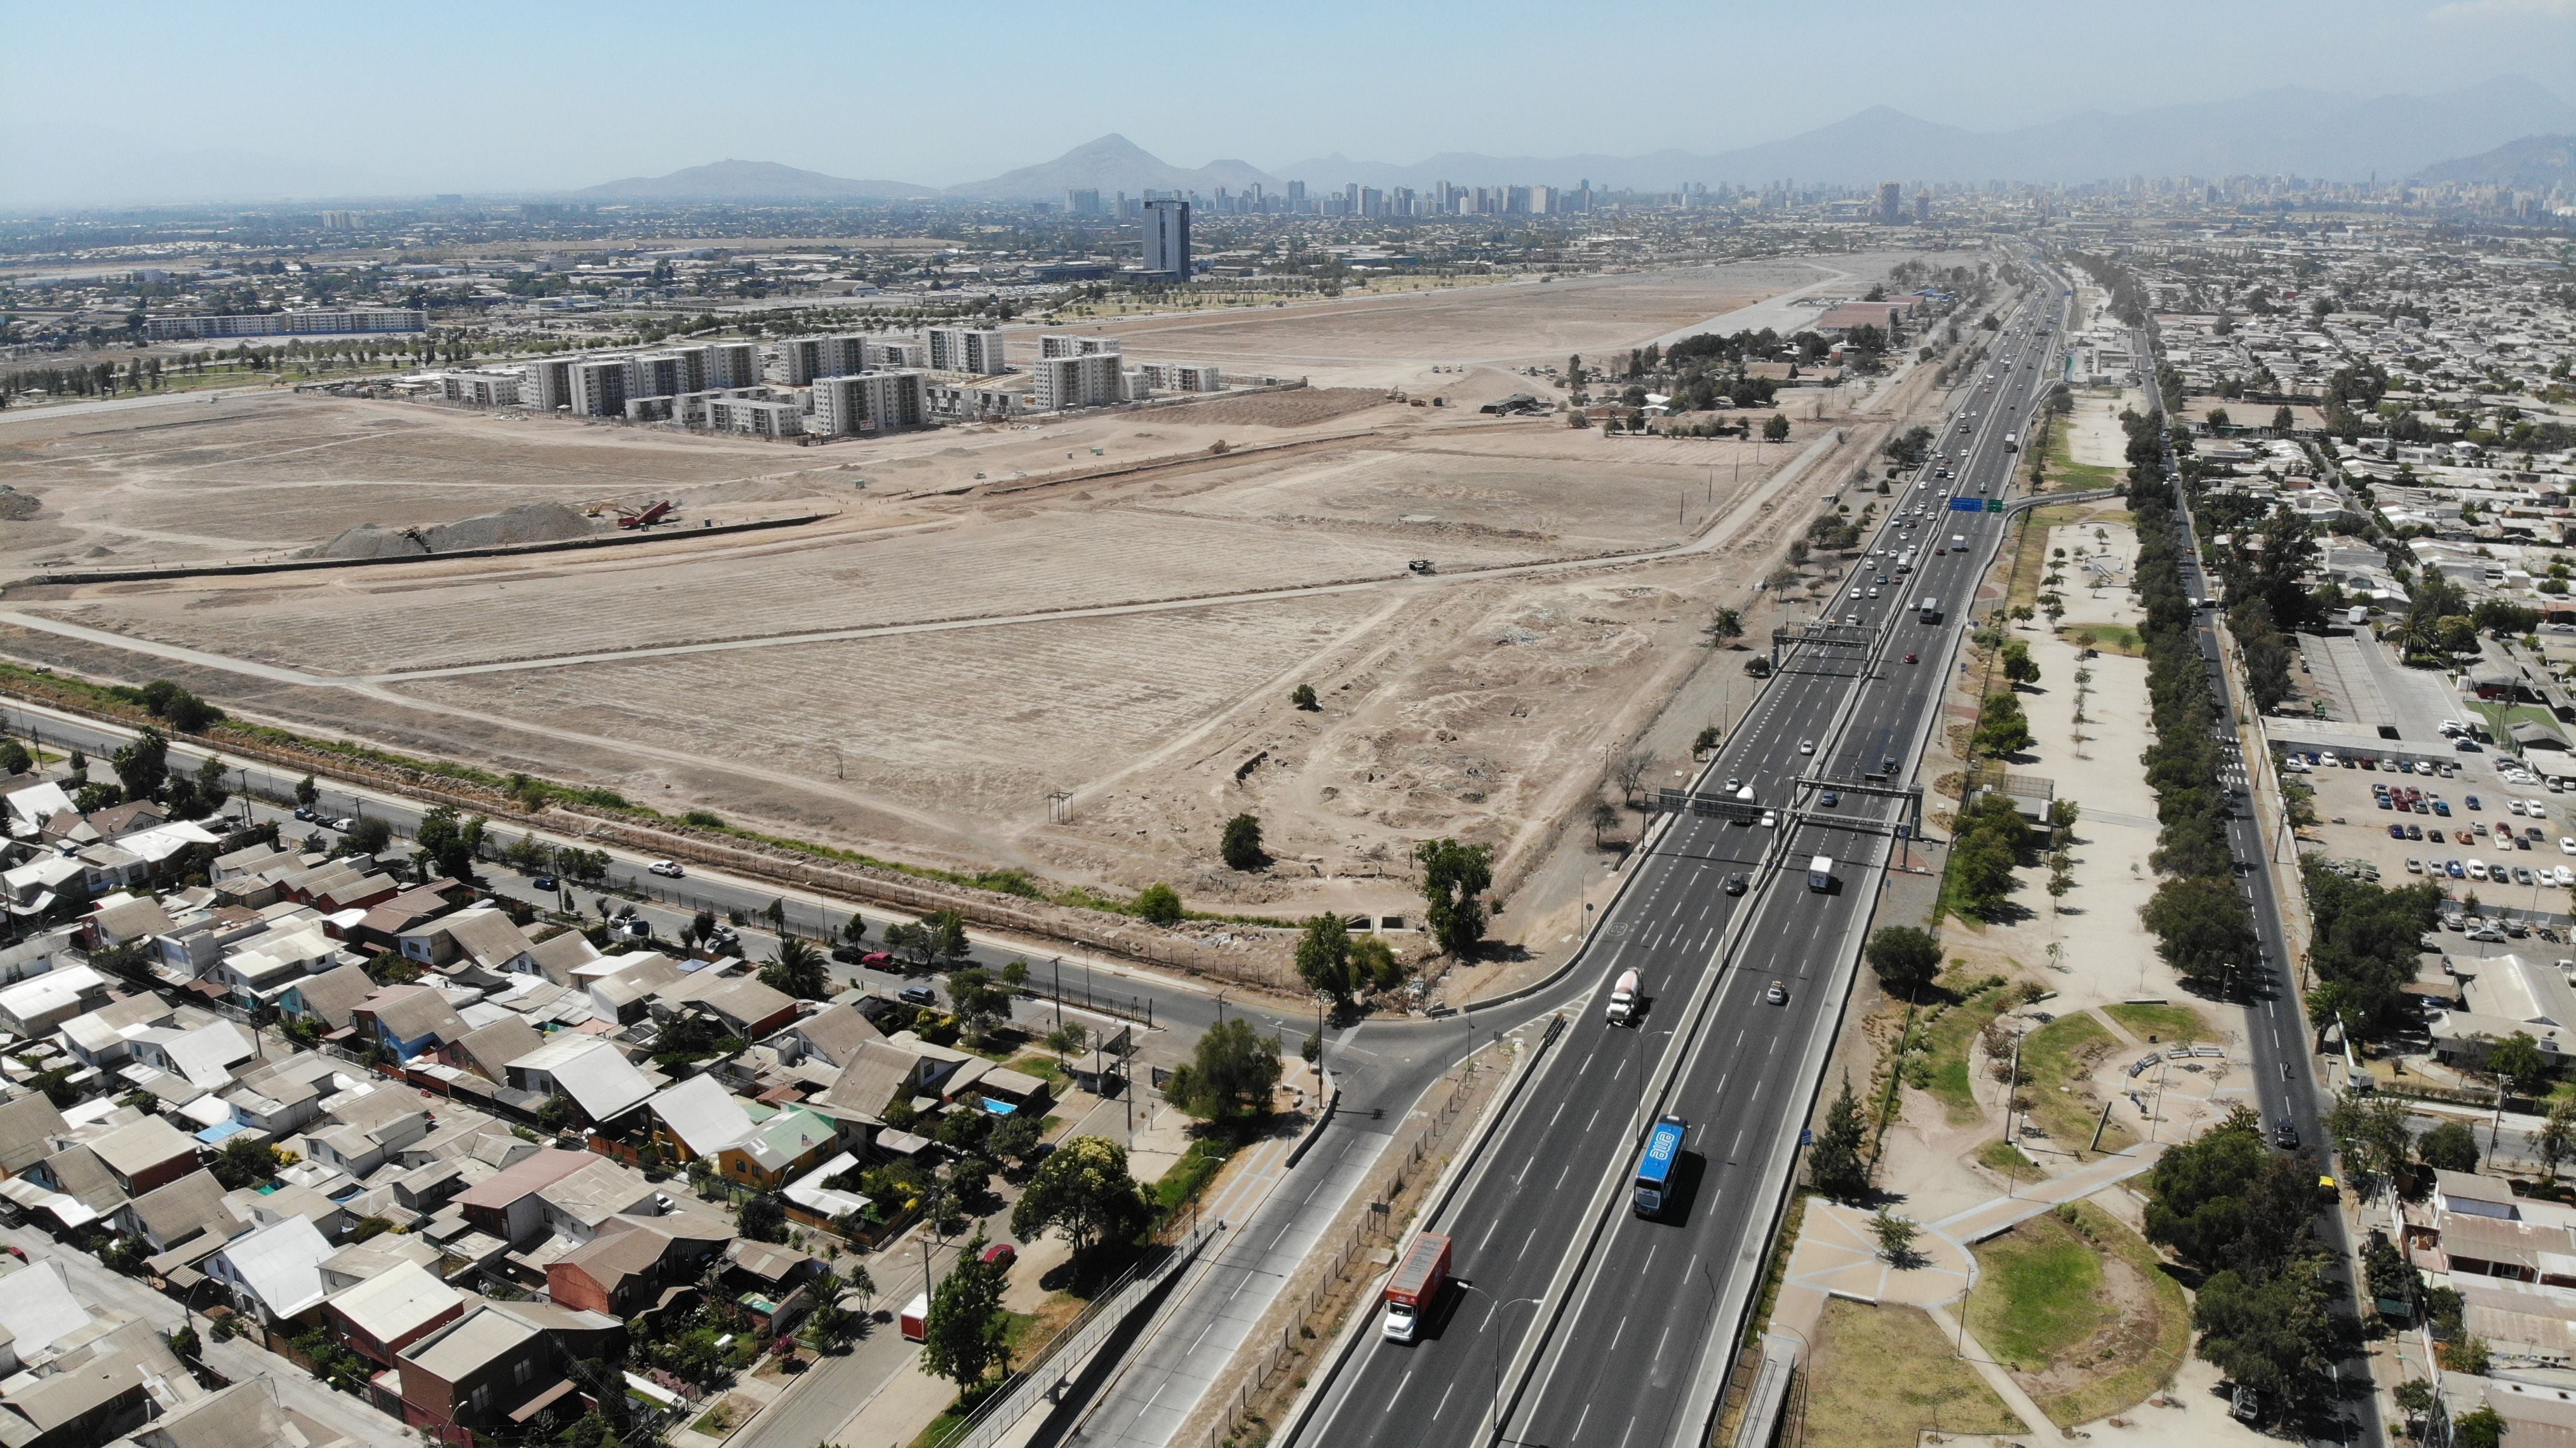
(2534, 163)
(2298, 132)
(749, 181)
(1113, 163)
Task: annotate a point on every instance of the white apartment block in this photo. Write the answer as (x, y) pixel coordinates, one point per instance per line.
(897, 352)
(1074, 344)
(599, 386)
(306, 322)
(1183, 377)
(1096, 380)
(967, 349)
(481, 388)
(546, 384)
(869, 402)
(976, 402)
(753, 410)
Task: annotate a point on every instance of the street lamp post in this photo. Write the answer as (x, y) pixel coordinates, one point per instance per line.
(1495, 1411)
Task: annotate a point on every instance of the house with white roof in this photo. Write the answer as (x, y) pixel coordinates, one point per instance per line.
(275, 1271)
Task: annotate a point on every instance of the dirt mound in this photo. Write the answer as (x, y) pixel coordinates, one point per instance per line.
(526, 523)
(15, 506)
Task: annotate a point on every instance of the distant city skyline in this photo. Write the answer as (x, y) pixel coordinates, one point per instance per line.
(1268, 88)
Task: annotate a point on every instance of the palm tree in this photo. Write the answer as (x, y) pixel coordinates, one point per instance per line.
(798, 971)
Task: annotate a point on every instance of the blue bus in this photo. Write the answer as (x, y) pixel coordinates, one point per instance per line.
(1655, 1171)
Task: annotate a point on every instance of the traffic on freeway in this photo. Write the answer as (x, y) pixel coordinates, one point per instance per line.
(1559, 1286)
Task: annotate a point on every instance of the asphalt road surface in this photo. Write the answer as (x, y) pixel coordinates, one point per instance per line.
(1618, 1364)
(2276, 1028)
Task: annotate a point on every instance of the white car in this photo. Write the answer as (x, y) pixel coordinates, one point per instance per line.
(1770, 819)
(1806, 746)
(2513, 806)
(2414, 866)
(2537, 809)
(1855, 595)
(2563, 875)
(667, 869)
(2477, 869)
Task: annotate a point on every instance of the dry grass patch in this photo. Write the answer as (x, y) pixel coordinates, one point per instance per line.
(1880, 1376)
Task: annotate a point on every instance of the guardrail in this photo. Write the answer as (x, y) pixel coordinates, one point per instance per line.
(1003, 1410)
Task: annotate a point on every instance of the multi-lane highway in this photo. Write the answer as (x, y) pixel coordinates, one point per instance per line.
(1575, 1321)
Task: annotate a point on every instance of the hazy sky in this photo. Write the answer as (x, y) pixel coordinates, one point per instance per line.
(466, 96)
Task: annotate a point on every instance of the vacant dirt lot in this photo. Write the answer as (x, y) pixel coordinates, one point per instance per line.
(1106, 608)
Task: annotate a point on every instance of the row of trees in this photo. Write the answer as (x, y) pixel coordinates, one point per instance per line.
(2201, 924)
(2243, 1214)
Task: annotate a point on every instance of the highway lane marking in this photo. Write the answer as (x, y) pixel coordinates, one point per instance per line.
(1490, 1229)
(1560, 1174)
(1560, 1111)
(1580, 1419)
(1398, 1393)
(1444, 1398)
(1617, 1332)
(1525, 1244)
(1588, 1121)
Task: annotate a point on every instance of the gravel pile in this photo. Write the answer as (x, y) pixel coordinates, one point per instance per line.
(526, 523)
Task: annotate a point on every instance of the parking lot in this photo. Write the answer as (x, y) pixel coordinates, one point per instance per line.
(2487, 831)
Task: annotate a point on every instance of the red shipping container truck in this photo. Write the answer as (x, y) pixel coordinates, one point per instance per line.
(1415, 1288)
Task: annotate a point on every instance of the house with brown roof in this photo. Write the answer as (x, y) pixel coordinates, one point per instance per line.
(489, 1050)
(635, 1261)
(507, 1205)
(168, 1217)
(484, 935)
(832, 1035)
(145, 1154)
(332, 997)
(502, 1369)
(28, 1125)
(407, 1020)
(748, 1008)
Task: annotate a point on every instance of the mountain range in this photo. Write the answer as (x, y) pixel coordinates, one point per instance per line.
(2534, 163)
(749, 181)
(2288, 131)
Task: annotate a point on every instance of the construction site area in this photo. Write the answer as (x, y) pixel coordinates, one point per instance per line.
(1067, 646)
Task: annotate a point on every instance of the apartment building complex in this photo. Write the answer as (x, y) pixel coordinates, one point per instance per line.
(306, 322)
(1084, 380)
(869, 402)
(967, 349)
(1183, 376)
(1167, 238)
(1073, 344)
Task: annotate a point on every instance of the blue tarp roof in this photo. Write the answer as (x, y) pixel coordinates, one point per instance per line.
(213, 1134)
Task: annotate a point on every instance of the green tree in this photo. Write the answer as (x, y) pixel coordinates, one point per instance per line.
(1724, 627)
(2517, 1059)
(1083, 1190)
(371, 836)
(964, 1335)
(1835, 1163)
(14, 758)
(762, 1218)
(2202, 929)
(1454, 880)
(1373, 962)
(2481, 1428)
(1158, 904)
(1303, 697)
(855, 930)
(981, 1003)
(450, 844)
(1241, 845)
(2018, 666)
(306, 792)
(2274, 1334)
(2002, 729)
(1324, 957)
(1906, 959)
(1896, 1237)
(2557, 1139)
(2451, 1146)
(1230, 1076)
(2371, 1134)
(1776, 429)
(242, 1163)
(798, 970)
(142, 765)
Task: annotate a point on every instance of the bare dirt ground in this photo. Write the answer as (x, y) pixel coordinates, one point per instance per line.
(974, 629)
